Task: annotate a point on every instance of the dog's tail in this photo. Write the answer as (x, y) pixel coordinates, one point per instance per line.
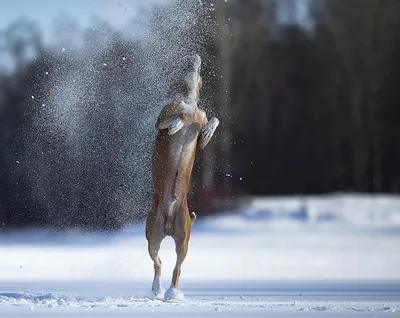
(169, 217)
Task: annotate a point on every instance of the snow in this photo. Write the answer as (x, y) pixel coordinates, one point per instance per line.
(174, 294)
(238, 299)
(279, 257)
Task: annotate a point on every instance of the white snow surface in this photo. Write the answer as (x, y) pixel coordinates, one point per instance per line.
(332, 255)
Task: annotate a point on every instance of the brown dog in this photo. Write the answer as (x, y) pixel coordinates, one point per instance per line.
(182, 128)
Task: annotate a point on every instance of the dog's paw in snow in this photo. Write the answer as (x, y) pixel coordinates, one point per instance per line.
(156, 294)
(174, 294)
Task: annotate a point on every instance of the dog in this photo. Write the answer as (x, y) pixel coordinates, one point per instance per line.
(182, 128)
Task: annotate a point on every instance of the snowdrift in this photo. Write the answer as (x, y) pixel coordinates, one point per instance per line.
(372, 211)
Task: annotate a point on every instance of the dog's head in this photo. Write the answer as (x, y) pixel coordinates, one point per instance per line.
(185, 79)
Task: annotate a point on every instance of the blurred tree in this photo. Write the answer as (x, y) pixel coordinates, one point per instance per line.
(22, 44)
(22, 41)
(362, 36)
(303, 109)
(246, 55)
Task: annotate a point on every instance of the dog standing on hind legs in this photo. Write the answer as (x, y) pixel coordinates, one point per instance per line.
(182, 128)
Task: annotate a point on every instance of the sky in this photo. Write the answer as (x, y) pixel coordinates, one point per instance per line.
(298, 13)
(116, 12)
(45, 12)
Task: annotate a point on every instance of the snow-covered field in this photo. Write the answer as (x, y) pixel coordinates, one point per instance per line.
(282, 257)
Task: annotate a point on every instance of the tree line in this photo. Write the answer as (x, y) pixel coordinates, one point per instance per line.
(315, 110)
(306, 107)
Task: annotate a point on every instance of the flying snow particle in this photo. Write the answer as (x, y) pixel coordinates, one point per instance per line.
(72, 104)
(33, 97)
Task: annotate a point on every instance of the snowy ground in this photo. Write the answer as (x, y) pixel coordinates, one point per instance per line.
(336, 256)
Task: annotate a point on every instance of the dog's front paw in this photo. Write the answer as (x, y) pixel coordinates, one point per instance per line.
(175, 126)
(209, 128)
(208, 131)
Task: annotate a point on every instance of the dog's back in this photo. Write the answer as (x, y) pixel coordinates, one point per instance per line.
(172, 165)
(181, 125)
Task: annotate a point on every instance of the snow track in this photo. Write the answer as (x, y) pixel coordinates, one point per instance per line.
(278, 259)
(203, 299)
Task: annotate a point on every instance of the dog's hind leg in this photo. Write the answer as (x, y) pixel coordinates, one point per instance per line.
(154, 248)
(154, 238)
(181, 248)
(181, 236)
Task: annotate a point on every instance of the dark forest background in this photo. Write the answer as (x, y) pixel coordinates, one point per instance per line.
(306, 107)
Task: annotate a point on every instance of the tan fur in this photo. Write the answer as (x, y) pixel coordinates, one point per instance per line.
(172, 164)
